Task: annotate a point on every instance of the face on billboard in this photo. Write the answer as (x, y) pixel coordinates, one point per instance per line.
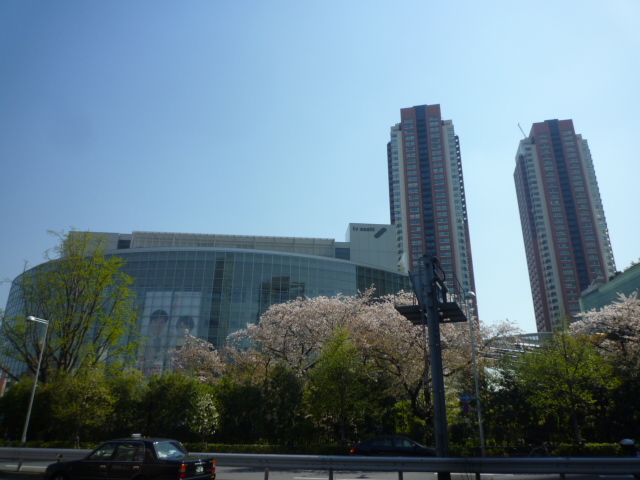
(166, 320)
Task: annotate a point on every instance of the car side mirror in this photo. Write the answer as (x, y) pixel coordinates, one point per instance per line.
(59, 457)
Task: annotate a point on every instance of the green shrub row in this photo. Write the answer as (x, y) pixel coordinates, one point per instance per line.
(331, 450)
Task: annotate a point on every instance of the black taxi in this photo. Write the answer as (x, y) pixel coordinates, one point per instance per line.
(136, 458)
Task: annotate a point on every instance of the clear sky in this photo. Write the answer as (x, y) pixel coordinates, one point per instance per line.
(272, 117)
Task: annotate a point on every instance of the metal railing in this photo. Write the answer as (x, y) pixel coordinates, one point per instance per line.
(551, 465)
(559, 465)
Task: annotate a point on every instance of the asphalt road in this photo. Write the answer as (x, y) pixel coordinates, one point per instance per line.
(35, 471)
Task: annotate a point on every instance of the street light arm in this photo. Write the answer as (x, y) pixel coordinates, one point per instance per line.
(35, 380)
(39, 320)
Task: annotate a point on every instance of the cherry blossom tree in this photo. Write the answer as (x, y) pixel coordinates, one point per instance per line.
(198, 358)
(295, 333)
(203, 416)
(615, 329)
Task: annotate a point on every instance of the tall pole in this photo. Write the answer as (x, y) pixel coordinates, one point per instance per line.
(35, 381)
(424, 285)
(435, 356)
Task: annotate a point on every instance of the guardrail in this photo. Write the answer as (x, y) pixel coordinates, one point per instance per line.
(559, 465)
(550, 465)
(20, 455)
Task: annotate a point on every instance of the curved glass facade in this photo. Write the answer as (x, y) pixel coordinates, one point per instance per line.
(213, 292)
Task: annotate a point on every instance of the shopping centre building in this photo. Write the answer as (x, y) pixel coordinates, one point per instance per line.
(214, 285)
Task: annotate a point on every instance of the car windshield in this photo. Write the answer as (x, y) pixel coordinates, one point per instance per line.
(170, 450)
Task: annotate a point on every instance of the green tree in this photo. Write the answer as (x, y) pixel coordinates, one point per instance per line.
(241, 409)
(509, 418)
(283, 407)
(81, 405)
(128, 389)
(13, 405)
(337, 396)
(566, 378)
(88, 301)
(167, 405)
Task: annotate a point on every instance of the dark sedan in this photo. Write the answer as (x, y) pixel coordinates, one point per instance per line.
(392, 446)
(136, 457)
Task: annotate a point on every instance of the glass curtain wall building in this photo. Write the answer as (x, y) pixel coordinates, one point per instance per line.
(214, 285)
(426, 194)
(563, 224)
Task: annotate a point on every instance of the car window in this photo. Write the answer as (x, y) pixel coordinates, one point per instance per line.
(382, 442)
(103, 452)
(129, 452)
(170, 450)
(403, 442)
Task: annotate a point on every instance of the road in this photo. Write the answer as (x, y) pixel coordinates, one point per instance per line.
(35, 470)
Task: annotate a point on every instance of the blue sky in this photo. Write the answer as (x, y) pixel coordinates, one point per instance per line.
(272, 117)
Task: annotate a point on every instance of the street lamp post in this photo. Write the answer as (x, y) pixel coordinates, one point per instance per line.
(35, 381)
(472, 295)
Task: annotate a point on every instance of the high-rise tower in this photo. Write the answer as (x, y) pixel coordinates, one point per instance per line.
(563, 223)
(426, 192)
